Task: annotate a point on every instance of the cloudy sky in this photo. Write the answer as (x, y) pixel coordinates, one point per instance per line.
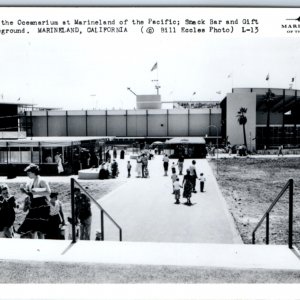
(94, 70)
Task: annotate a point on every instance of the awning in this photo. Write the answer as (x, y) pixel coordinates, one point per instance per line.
(186, 140)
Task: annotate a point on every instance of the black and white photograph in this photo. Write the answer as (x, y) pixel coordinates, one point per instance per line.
(150, 145)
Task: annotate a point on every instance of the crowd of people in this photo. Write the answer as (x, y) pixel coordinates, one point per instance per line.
(44, 211)
(188, 182)
(44, 217)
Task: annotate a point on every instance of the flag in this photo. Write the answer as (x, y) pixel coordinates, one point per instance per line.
(194, 93)
(154, 67)
(268, 77)
(293, 79)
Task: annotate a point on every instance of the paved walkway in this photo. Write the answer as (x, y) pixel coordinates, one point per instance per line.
(234, 256)
(145, 209)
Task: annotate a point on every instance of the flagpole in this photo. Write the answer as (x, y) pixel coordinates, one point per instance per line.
(157, 82)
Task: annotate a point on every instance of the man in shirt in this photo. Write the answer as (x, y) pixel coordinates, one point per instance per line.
(83, 213)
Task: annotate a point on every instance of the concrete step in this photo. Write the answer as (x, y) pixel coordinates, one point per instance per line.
(157, 254)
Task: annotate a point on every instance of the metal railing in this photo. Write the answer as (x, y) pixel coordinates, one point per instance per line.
(102, 212)
(290, 186)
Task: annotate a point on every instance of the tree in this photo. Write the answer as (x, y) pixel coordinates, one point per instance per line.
(242, 120)
(268, 99)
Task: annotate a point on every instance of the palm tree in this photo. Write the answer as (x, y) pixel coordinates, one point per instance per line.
(242, 120)
(268, 99)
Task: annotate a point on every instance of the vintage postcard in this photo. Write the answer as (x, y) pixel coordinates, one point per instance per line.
(150, 145)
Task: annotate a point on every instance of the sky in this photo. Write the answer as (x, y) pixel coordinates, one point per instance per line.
(94, 71)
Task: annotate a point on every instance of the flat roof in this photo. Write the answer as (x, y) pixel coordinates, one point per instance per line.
(51, 141)
(186, 140)
(16, 103)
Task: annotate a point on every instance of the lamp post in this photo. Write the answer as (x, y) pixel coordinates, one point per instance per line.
(214, 126)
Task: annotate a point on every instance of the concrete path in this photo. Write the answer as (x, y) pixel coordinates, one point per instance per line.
(234, 256)
(145, 209)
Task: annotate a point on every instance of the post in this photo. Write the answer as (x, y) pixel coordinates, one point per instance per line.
(167, 122)
(67, 125)
(86, 123)
(47, 123)
(188, 122)
(120, 235)
(217, 149)
(102, 224)
(253, 238)
(73, 210)
(291, 198)
(147, 125)
(267, 228)
(106, 123)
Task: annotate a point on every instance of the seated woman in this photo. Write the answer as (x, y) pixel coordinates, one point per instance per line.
(103, 173)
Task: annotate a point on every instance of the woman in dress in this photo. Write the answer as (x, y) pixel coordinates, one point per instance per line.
(37, 204)
(187, 187)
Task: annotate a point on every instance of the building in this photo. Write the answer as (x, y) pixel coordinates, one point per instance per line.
(76, 153)
(272, 120)
(280, 106)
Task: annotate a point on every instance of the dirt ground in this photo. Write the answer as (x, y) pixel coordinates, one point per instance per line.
(249, 186)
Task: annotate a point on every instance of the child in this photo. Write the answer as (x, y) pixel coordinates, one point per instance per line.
(128, 169)
(176, 187)
(173, 177)
(7, 212)
(98, 235)
(202, 180)
(56, 219)
(173, 168)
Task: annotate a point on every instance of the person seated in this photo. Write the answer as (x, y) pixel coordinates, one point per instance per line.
(103, 172)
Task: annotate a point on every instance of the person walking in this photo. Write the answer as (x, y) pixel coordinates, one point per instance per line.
(144, 165)
(187, 187)
(176, 187)
(180, 164)
(280, 152)
(107, 156)
(166, 164)
(7, 212)
(114, 169)
(83, 214)
(56, 219)
(202, 181)
(129, 169)
(58, 160)
(115, 153)
(193, 174)
(138, 167)
(37, 204)
(173, 178)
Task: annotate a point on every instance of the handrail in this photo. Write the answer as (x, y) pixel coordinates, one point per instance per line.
(103, 211)
(289, 185)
